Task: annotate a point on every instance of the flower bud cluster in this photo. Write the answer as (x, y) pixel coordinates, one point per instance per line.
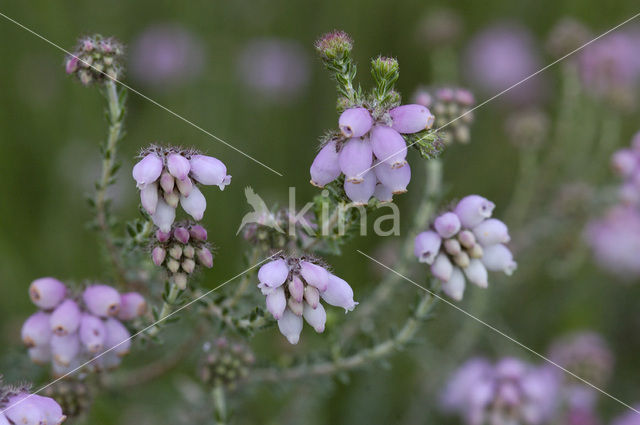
(465, 242)
(294, 288)
(67, 332)
(19, 407)
(451, 107)
(586, 354)
(225, 363)
(72, 395)
(371, 153)
(334, 45)
(508, 392)
(181, 250)
(167, 176)
(96, 59)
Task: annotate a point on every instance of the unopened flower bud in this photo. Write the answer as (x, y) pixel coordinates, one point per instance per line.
(188, 265)
(476, 251)
(147, 170)
(102, 300)
(205, 257)
(181, 234)
(316, 317)
(462, 259)
(178, 166)
(164, 216)
(175, 251)
(467, 238)
(454, 287)
(172, 198)
(180, 279)
(295, 306)
(185, 186)
(65, 319)
(311, 296)
(173, 265)
(47, 292)
(198, 232)
(477, 273)
(195, 204)
(334, 45)
(162, 236)
(167, 182)
(442, 267)
(189, 251)
(276, 302)
(296, 288)
(452, 246)
(149, 197)
(158, 255)
(290, 326)
(314, 275)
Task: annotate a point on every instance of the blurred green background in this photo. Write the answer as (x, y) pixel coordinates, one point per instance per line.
(51, 126)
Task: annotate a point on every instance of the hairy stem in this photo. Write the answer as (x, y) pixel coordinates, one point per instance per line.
(167, 307)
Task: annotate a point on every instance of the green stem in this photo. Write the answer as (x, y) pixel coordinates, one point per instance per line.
(167, 307)
(525, 190)
(219, 405)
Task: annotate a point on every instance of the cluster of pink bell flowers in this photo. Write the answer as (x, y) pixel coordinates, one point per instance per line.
(19, 407)
(464, 244)
(294, 288)
(371, 153)
(69, 331)
(168, 176)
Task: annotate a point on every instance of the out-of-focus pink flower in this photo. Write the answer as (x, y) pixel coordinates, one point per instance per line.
(628, 418)
(166, 55)
(503, 55)
(275, 69)
(586, 354)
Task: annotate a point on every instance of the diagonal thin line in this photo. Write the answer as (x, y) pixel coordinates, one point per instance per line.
(175, 114)
(510, 87)
(499, 332)
(140, 332)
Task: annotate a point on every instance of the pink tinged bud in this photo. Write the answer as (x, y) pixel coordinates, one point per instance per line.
(208, 170)
(314, 275)
(355, 159)
(194, 204)
(175, 251)
(72, 65)
(167, 182)
(447, 225)
(498, 258)
(173, 265)
(205, 257)
(21, 410)
(624, 162)
(164, 216)
(181, 234)
(388, 146)
(92, 333)
(132, 305)
(36, 330)
(382, 193)
(162, 236)
(325, 167)
(355, 122)
(180, 279)
(442, 268)
(65, 319)
(147, 170)
(149, 197)
(411, 118)
(178, 166)
(198, 232)
(316, 317)
(64, 349)
(172, 198)
(277, 302)
(312, 296)
(118, 337)
(40, 355)
(185, 186)
(467, 238)
(296, 307)
(296, 288)
(426, 246)
(339, 294)
(491, 232)
(360, 193)
(274, 273)
(396, 179)
(158, 254)
(189, 251)
(473, 209)
(47, 292)
(454, 287)
(452, 246)
(50, 409)
(290, 326)
(102, 300)
(476, 272)
(188, 265)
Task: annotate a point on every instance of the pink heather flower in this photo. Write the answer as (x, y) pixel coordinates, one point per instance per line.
(388, 146)
(273, 273)
(586, 354)
(178, 166)
(355, 122)
(426, 246)
(290, 326)
(325, 167)
(501, 56)
(164, 216)
(71, 65)
(194, 204)
(477, 274)
(615, 241)
(314, 275)
(396, 179)
(205, 257)
(36, 330)
(208, 170)
(296, 288)
(162, 236)
(167, 182)
(628, 418)
(65, 319)
(47, 292)
(447, 224)
(276, 302)
(411, 118)
(360, 193)
(625, 161)
(491, 232)
(40, 354)
(158, 255)
(50, 409)
(198, 232)
(92, 333)
(26, 409)
(147, 170)
(355, 158)
(473, 209)
(118, 337)
(339, 293)
(181, 234)
(316, 317)
(311, 296)
(454, 287)
(184, 186)
(498, 258)
(442, 268)
(102, 300)
(149, 197)
(382, 193)
(132, 305)
(65, 348)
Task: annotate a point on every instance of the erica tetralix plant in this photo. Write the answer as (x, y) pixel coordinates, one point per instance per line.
(19, 407)
(96, 59)
(294, 287)
(370, 146)
(465, 242)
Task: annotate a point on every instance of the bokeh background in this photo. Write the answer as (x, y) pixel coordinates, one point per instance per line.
(218, 70)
